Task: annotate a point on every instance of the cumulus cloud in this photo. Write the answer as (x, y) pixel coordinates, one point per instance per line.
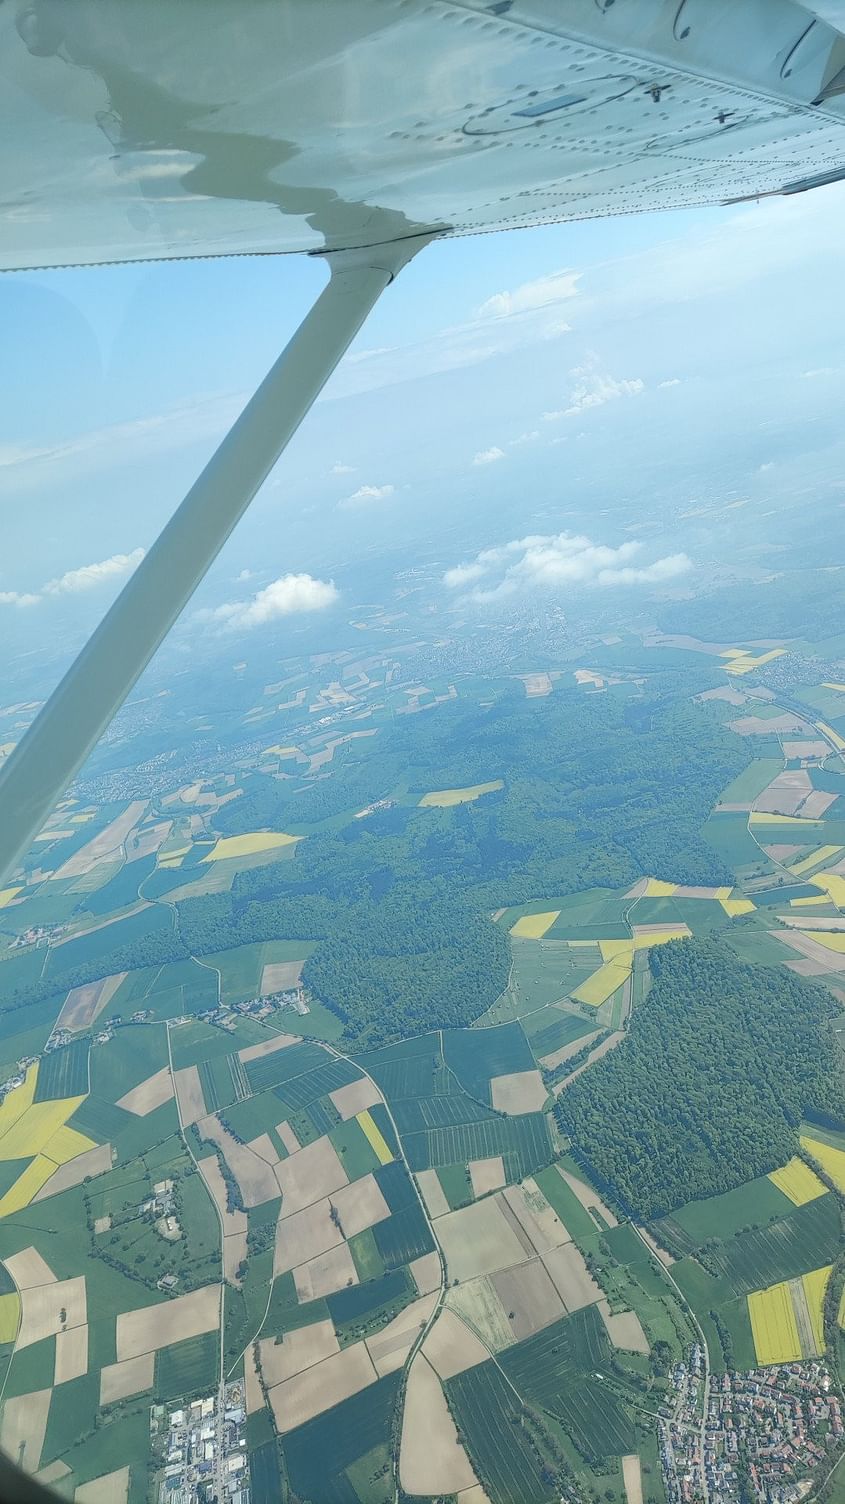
(287, 596)
(593, 387)
(77, 581)
(525, 438)
(673, 381)
(542, 292)
(554, 561)
(88, 576)
(338, 468)
(818, 371)
(365, 496)
(488, 456)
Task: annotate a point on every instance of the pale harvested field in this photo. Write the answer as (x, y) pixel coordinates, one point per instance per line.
(536, 685)
(267, 1046)
(175, 1320)
(110, 839)
(807, 747)
(588, 1197)
(528, 1297)
(296, 1351)
(816, 804)
(451, 1347)
(426, 1273)
(664, 1256)
(474, 1495)
(807, 968)
(826, 959)
(571, 1277)
(478, 1239)
(360, 1205)
(102, 1224)
(264, 1147)
(280, 976)
(288, 1137)
(779, 852)
(390, 1347)
(356, 1097)
(522, 1091)
(118, 1381)
(606, 1045)
(90, 1162)
(189, 1094)
(624, 1329)
(329, 1271)
(313, 1172)
(23, 1428)
(557, 1057)
(41, 1307)
(486, 1175)
(755, 725)
(255, 1177)
(254, 1393)
(539, 1220)
(53, 1472)
(784, 794)
(808, 923)
(632, 1478)
(303, 1236)
(319, 1388)
(726, 692)
(480, 1308)
(111, 1488)
(84, 1004)
(28, 1268)
(71, 1360)
(431, 1458)
(432, 1193)
(150, 1094)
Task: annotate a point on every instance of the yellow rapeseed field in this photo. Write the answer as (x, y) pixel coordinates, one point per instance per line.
(375, 1137)
(831, 938)
(646, 938)
(803, 903)
(30, 1133)
(66, 1143)
(16, 1103)
(10, 1310)
(534, 926)
(831, 1160)
(743, 662)
(833, 885)
(445, 798)
(774, 1326)
(762, 817)
(7, 894)
(798, 1182)
(247, 845)
(815, 1284)
(599, 987)
(838, 741)
(27, 1185)
(736, 906)
(656, 888)
(821, 854)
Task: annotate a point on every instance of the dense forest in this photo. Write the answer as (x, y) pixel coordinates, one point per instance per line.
(720, 1064)
(598, 789)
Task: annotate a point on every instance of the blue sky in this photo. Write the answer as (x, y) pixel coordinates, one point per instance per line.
(506, 384)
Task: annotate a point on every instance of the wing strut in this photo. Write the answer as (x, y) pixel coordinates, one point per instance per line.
(95, 686)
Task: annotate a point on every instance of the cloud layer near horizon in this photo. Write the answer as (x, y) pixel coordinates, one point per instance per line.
(552, 561)
(77, 581)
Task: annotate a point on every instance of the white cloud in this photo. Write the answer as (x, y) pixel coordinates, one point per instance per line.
(818, 371)
(77, 581)
(245, 574)
(524, 438)
(365, 496)
(593, 387)
(15, 598)
(555, 561)
(673, 381)
(290, 594)
(88, 576)
(766, 467)
(338, 468)
(488, 456)
(542, 292)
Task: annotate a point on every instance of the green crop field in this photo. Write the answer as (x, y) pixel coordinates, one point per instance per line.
(354, 1149)
(752, 780)
(64, 1072)
(416, 1114)
(525, 1137)
(101, 1120)
(133, 1054)
(100, 942)
(456, 1184)
(476, 1055)
(187, 1369)
(805, 1239)
(284, 1066)
(318, 1453)
(368, 1261)
(553, 1030)
(265, 1474)
(719, 1217)
(729, 836)
(255, 1115)
(73, 1411)
(308, 1087)
(224, 1081)
(351, 1305)
(122, 889)
(557, 1370)
(402, 1072)
(403, 1236)
(488, 1415)
(396, 1186)
(32, 1368)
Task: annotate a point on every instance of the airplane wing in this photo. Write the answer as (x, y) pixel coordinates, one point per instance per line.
(142, 129)
(360, 130)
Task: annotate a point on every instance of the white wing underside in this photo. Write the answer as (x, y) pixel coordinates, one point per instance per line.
(145, 129)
